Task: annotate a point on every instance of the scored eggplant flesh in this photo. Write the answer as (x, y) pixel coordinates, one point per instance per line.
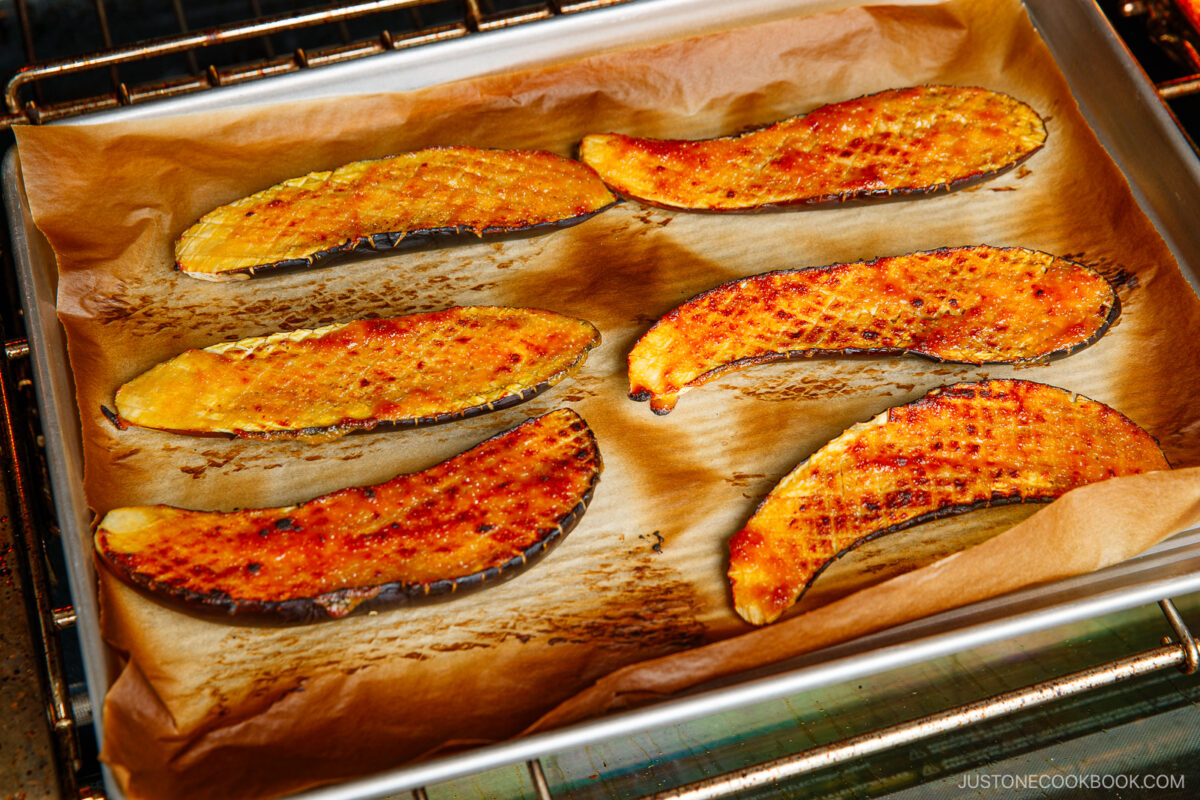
(405, 371)
(971, 305)
(959, 448)
(473, 519)
(412, 198)
(899, 141)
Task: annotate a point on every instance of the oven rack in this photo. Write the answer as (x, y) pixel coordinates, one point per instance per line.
(477, 16)
(1169, 28)
(1165, 24)
(66, 712)
(1181, 652)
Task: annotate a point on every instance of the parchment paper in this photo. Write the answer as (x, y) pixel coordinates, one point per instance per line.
(204, 709)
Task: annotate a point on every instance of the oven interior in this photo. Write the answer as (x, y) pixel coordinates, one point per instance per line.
(47, 747)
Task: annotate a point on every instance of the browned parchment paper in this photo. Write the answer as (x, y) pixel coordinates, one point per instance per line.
(204, 709)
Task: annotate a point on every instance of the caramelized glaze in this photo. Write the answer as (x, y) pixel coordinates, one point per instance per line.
(407, 371)
(958, 448)
(379, 204)
(974, 305)
(900, 141)
(470, 519)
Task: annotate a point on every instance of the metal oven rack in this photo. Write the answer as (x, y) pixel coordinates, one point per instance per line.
(475, 16)
(28, 522)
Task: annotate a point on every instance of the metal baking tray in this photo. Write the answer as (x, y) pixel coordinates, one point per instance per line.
(1116, 98)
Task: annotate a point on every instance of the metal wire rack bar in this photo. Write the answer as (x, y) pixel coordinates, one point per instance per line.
(475, 18)
(1181, 654)
(28, 543)
(1172, 31)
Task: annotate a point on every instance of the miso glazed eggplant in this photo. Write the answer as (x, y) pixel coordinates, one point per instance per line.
(970, 305)
(473, 519)
(387, 203)
(406, 371)
(959, 448)
(900, 141)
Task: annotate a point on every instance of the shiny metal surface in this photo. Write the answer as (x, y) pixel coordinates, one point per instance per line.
(1187, 642)
(1143, 725)
(15, 350)
(1127, 114)
(1184, 87)
(37, 300)
(1180, 655)
(26, 536)
(473, 20)
(29, 752)
(540, 786)
(185, 42)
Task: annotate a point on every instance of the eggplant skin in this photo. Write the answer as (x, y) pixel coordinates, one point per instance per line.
(470, 521)
(959, 448)
(408, 371)
(896, 142)
(408, 200)
(966, 305)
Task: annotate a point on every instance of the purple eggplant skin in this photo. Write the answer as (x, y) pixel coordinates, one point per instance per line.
(384, 244)
(308, 610)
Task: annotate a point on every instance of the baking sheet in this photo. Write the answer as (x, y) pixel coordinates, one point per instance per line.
(790, 236)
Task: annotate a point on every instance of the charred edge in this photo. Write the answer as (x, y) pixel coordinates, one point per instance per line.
(1114, 312)
(849, 199)
(114, 418)
(994, 501)
(269, 613)
(965, 390)
(640, 396)
(509, 569)
(880, 352)
(382, 244)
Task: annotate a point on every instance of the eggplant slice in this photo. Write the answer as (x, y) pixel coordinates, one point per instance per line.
(404, 200)
(900, 141)
(473, 519)
(957, 449)
(406, 371)
(969, 305)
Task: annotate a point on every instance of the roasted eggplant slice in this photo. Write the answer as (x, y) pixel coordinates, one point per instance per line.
(901, 141)
(971, 305)
(406, 371)
(959, 448)
(473, 519)
(387, 203)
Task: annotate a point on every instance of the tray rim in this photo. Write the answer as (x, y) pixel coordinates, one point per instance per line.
(1162, 186)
